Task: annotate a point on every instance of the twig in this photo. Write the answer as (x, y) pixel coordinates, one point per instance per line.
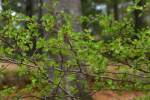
(15, 62)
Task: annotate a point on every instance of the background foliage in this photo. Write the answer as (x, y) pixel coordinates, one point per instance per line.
(60, 62)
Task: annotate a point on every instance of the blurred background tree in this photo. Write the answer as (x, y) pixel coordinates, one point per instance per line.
(117, 8)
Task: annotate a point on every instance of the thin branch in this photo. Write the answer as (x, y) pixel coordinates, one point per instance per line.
(16, 62)
(129, 74)
(71, 48)
(131, 66)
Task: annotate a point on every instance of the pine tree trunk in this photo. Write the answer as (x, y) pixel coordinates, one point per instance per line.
(138, 18)
(40, 10)
(115, 9)
(72, 7)
(29, 12)
(29, 8)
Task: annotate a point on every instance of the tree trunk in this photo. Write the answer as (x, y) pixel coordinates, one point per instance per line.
(108, 9)
(72, 7)
(29, 8)
(115, 9)
(40, 10)
(29, 12)
(138, 18)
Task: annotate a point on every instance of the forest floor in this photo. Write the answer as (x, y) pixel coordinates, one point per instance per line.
(112, 95)
(101, 95)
